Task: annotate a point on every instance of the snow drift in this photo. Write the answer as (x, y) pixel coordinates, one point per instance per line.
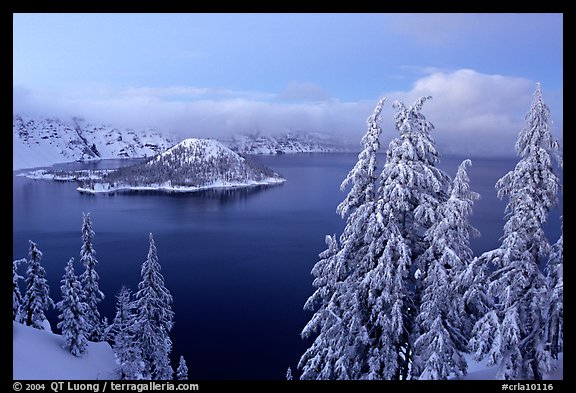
(39, 354)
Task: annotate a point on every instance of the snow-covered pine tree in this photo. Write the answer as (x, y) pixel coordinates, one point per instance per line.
(555, 285)
(122, 333)
(182, 370)
(476, 299)
(289, 376)
(37, 296)
(72, 315)
(389, 292)
(154, 319)
(331, 355)
(105, 329)
(89, 279)
(16, 294)
(441, 336)
(515, 333)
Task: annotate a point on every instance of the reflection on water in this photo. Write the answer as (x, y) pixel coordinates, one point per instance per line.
(221, 194)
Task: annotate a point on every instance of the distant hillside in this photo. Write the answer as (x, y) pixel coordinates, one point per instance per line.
(191, 165)
(287, 143)
(42, 141)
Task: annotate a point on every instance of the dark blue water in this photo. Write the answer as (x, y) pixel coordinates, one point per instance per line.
(237, 262)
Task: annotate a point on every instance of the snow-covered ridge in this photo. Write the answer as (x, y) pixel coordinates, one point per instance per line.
(43, 141)
(288, 143)
(192, 165)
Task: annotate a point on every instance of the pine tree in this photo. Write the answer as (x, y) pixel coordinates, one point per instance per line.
(476, 299)
(105, 329)
(37, 296)
(515, 333)
(182, 370)
(73, 322)
(89, 279)
(289, 374)
(330, 356)
(389, 294)
(122, 333)
(442, 337)
(555, 287)
(367, 326)
(154, 319)
(16, 294)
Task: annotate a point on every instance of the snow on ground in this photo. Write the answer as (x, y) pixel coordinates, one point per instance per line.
(103, 188)
(38, 354)
(479, 370)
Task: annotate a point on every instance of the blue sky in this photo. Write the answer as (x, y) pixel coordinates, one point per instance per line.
(217, 74)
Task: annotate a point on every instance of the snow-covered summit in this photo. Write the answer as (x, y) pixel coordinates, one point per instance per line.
(43, 141)
(194, 150)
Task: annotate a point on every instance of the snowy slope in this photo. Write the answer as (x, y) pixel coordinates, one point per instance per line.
(192, 165)
(38, 354)
(194, 150)
(287, 143)
(479, 370)
(40, 141)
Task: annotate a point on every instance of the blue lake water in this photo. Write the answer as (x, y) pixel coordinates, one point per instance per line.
(237, 262)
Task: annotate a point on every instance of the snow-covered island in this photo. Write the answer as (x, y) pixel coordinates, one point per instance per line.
(191, 165)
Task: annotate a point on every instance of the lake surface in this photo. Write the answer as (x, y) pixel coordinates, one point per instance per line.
(237, 262)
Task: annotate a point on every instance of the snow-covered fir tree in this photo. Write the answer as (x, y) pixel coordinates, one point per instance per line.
(389, 291)
(476, 299)
(16, 294)
(89, 279)
(367, 326)
(329, 356)
(154, 317)
(441, 336)
(182, 370)
(289, 376)
(555, 285)
(122, 333)
(514, 334)
(105, 329)
(36, 299)
(72, 315)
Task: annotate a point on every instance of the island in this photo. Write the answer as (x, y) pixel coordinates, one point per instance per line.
(191, 165)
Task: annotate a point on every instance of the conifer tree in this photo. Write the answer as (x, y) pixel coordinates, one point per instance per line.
(37, 296)
(89, 279)
(514, 334)
(182, 370)
(72, 315)
(16, 294)
(441, 338)
(329, 357)
(122, 332)
(555, 285)
(389, 295)
(154, 317)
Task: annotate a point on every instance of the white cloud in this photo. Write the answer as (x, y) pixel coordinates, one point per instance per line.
(474, 113)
